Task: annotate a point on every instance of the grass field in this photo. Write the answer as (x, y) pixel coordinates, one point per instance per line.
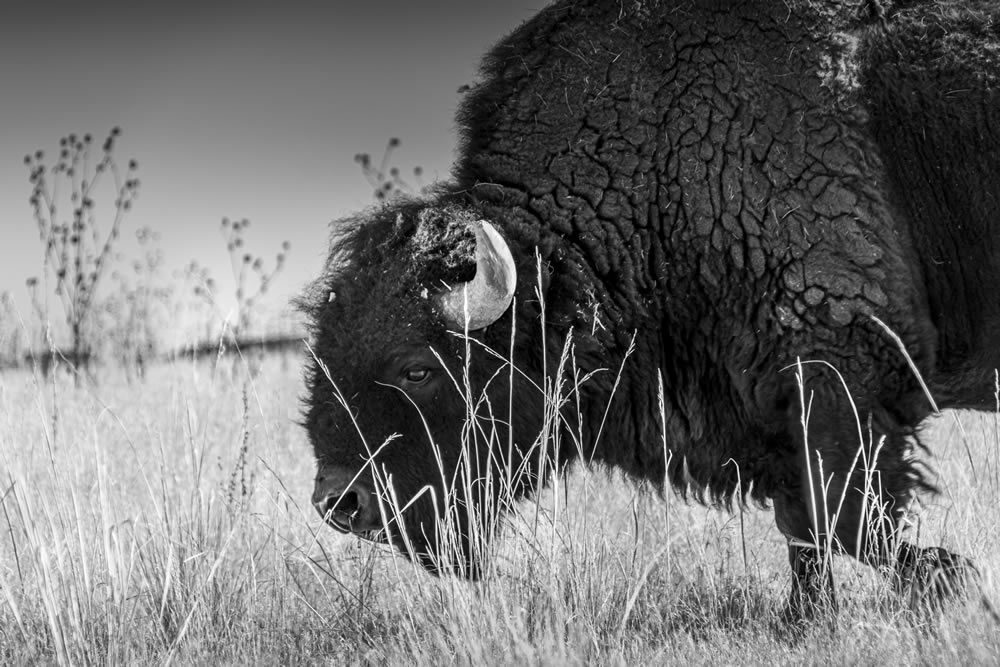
(169, 521)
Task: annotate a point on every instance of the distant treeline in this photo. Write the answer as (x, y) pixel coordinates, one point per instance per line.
(256, 347)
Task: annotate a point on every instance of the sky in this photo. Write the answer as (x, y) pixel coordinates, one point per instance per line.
(248, 110)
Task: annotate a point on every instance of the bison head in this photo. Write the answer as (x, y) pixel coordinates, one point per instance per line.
(423, 429)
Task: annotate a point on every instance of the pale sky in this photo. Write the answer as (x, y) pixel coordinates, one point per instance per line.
(242, 109)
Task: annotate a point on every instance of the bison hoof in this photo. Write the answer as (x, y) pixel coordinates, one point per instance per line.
(928, 578)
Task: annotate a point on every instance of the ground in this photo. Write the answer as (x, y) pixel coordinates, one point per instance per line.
(171, 521)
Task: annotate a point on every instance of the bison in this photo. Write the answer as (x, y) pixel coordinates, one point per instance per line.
(714, 245)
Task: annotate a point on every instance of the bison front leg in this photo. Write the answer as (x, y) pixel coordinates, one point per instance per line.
(812, 578)
(834, 502)
(854, 486)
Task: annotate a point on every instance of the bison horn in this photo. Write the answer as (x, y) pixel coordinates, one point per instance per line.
(481, 301)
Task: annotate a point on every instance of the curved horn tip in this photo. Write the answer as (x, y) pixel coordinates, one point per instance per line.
(480, 302)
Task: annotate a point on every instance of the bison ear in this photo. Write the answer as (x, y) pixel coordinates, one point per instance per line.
(480, 302)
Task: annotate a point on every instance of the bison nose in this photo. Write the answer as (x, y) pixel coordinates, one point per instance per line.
(346, 503)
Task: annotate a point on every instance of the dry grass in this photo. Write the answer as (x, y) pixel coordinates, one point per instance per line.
(171, 523)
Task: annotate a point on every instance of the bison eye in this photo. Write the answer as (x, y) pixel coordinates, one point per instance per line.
(416, 375)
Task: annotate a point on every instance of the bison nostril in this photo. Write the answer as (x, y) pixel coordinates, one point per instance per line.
(337, 503)
(347, 511)
(349, 503)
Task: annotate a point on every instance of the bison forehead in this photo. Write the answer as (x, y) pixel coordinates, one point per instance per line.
(377, 323)
(394, 255)
(367, 319)
(443, 246)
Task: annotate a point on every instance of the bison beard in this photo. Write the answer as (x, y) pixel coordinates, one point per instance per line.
(717, 194)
